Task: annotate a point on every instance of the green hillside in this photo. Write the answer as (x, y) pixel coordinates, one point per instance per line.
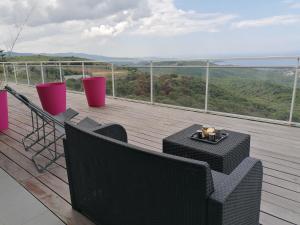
(255, 92)
(42, 58)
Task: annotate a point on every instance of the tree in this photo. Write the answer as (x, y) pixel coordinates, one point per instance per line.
(2, 55)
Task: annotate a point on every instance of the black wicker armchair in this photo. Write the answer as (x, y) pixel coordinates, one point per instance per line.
(115, 183)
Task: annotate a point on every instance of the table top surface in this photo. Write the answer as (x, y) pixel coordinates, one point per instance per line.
(223, 147)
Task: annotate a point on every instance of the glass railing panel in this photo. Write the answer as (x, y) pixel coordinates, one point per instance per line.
(259, 62)
(108, 85)
(132, 82)
(72, 74)
(34, 72)
(296, 113)
(95, 69)
(51, 73)
(259, 92)
(2, 77)
(21, 74)
(9, 71)
(180, 86)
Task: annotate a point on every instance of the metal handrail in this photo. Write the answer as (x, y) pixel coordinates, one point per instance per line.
(171, 59)
(155, 66)
(207, 64)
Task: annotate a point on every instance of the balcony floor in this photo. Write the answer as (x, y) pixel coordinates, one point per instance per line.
(147, 125)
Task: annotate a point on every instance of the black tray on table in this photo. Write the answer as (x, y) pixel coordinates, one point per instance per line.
(196, 137)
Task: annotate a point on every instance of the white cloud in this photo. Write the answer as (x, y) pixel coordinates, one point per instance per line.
(106, 30)
(293, 4)
(163, 19)
(268, 21)
(103, 19)
(59, 11)
(168, 20)
(120, 26)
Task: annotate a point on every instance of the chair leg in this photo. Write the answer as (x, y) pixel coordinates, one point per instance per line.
(55, 154)
(41, 168)
(39, 141)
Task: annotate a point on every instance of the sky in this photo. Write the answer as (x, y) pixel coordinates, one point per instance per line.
(152, 28)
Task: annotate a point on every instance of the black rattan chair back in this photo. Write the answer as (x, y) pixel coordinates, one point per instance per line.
(116, 183)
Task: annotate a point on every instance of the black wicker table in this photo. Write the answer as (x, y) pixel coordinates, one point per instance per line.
(223, 157)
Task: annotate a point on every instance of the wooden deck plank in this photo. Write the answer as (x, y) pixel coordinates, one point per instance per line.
(269, 187)
(45, 195)
(147, 125)
(266, 218)
(144, 126)
(51, 181)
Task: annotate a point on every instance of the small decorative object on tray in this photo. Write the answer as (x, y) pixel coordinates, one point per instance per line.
(209, 135)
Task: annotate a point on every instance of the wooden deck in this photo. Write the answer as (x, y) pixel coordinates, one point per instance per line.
(147, 125)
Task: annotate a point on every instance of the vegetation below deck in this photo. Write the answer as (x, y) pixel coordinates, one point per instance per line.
(257, 92)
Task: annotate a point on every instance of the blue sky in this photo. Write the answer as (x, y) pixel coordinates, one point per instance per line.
(161, 28)
(247, 9)
(273, 38)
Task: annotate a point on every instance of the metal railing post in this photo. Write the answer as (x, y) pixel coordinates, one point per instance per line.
(60, 72)
(42, 73)
(113, 80)
(83, 69)
(27, 74)
(294, 92)
(4, 73)
(206, 86)
(151, 82)
(15, 73)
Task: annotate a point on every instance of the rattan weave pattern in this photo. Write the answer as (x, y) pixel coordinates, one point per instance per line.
(223, 157)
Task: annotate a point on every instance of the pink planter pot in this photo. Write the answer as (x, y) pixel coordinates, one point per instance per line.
(53, 97)
(3, 111)
(95, 90)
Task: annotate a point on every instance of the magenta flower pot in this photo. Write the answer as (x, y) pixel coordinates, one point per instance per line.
(53, 97)
(95, 90)
(3, 110)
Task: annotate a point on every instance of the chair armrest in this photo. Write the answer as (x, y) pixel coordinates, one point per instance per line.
(9, 89)
(66, 116)
(236, 199)
(114, 131)
(88, 124)
(69, 114)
